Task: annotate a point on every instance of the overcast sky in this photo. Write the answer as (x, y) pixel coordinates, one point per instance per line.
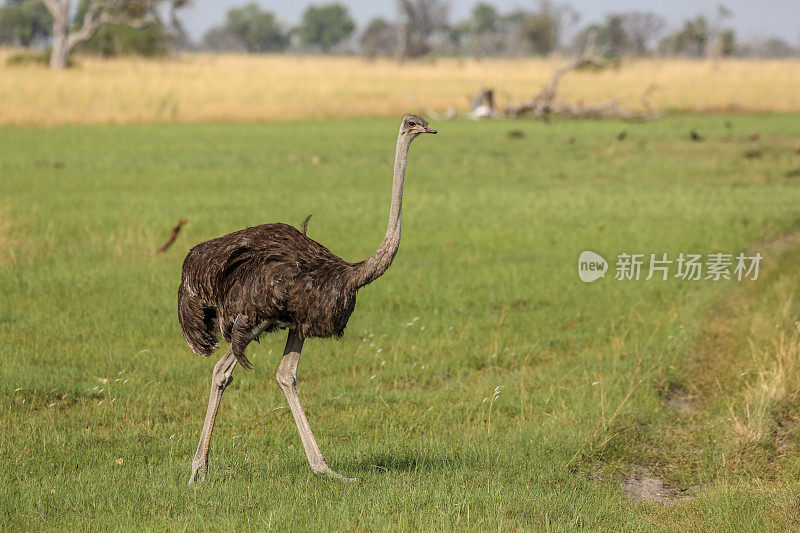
(751, 18)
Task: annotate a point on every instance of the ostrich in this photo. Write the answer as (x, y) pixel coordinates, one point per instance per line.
(272, 277)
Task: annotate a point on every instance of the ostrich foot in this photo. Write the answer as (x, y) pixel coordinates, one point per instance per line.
(198, 473)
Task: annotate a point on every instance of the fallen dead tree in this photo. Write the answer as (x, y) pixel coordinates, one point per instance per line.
(545, 102)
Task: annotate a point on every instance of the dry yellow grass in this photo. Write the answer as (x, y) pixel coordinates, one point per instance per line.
(280, 87)
(777, 378)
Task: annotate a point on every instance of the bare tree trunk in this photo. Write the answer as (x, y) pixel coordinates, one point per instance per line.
(715, 49)
(170, 30)
(402, 43)
(60, 50)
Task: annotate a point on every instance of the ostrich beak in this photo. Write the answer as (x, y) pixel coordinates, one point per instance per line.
(429, 130)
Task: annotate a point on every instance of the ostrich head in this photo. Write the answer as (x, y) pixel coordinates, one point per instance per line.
(413, 125)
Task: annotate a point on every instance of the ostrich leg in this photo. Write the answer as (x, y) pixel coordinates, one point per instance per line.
(220, 379)
(287, 380)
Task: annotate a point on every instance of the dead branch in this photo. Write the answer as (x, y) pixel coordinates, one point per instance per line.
(542, 103)
(172, 236)
(545, 102)
(644, 100)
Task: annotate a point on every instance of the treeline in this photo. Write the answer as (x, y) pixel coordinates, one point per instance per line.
(424, 27)
(420, 28)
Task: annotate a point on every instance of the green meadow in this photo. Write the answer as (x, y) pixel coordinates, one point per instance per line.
(480, 385)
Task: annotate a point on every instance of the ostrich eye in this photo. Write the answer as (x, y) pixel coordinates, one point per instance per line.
(412, 124)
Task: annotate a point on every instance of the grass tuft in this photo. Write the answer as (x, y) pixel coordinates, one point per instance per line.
(777, 380)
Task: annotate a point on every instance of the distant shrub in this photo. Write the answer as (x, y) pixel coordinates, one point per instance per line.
(33, 57)
(29, 58)
(121, 40)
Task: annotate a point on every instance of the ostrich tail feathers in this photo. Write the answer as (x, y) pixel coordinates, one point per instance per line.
(242, 359)
(304, 225)
(198, 323)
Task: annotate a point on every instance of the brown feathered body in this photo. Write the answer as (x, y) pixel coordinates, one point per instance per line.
(270, 276)
(273, 276)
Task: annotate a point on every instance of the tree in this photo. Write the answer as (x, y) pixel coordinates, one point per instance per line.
(171, 28)
(220, 39)
(24, 22)
(325, 26)
(378, 38)
(622, 34)
(544, 27)
(485, 19)
(778, 48)
(421, 21)
(772, 47)
(541, 33)
(98, 13)
(457, 36)
(111, 40)
(514, 40)
(728, 42)
(249, 28)
(615, 36)
(691, 40)
(720, 38)
(485, 29)
(258, 29)
(641, 29)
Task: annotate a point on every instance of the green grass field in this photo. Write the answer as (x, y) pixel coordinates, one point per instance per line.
(102, 401)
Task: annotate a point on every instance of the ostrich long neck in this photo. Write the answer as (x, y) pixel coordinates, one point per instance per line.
(373, 267)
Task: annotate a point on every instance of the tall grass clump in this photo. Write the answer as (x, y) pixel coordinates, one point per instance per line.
(777, 380)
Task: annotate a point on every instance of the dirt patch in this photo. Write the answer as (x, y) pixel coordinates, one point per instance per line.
(787, 435)
(650, 489)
